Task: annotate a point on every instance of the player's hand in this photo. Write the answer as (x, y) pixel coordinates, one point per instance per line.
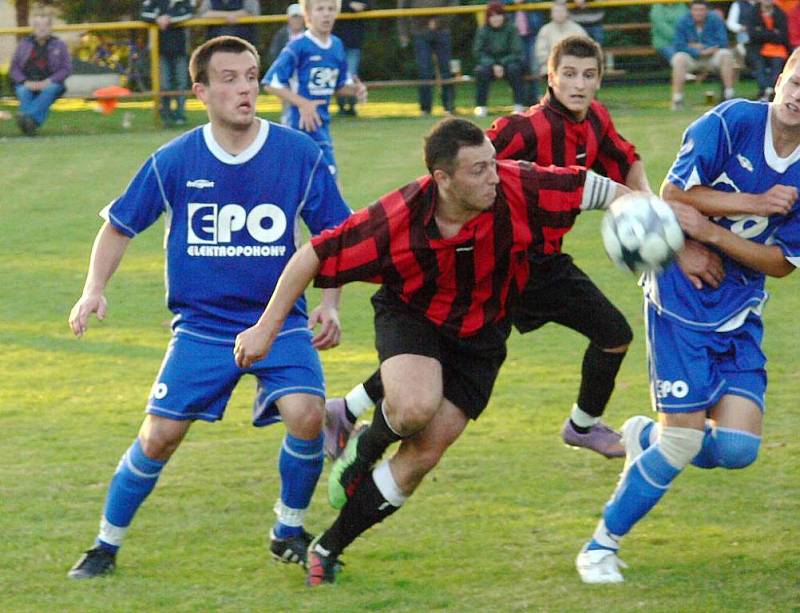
(693, 222)
(86, 305)
(361, 90)
(330, 331)
(498, 71)
(701, 265)
(251, 346)
(309, 115)
(777, 200)
(403, 41)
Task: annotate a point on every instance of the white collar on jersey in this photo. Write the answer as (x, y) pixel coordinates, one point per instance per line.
(318, 42)
(246, 155)
(777, 163)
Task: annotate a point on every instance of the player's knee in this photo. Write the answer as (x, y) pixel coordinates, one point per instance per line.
(616, 333)
(411, 412)
(305, 423)
(735, 448)
(680, 445)
(159, 444)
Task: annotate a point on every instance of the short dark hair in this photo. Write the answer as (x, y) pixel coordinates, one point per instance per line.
(446, 139)
(201, 57)
(576, 46)
(703, 2)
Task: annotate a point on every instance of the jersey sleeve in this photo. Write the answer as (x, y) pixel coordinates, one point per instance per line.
(513, 137)
(142, 203)
(787, 238)
(350, 252)
(324, 206)
(615, 155)
(705, 149)
(282, 69)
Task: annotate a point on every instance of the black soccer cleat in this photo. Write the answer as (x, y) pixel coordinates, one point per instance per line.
(96, 562)
(323, 566)
(291, 550)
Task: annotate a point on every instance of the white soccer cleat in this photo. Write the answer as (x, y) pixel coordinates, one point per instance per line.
(631, 430)
(599, 566)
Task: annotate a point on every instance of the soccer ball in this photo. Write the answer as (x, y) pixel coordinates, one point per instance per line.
(641, 233)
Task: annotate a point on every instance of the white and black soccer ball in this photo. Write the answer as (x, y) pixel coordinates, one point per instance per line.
(641, 232)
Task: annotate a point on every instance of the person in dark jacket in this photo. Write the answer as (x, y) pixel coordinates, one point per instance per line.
(430, 35)
(173, 52)
(351, 31)
(768, 31)
(40, 65)
(498, 53)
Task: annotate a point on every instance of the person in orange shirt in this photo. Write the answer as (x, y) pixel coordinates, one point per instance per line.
(769, 34)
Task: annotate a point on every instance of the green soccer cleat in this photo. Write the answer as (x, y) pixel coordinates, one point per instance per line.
(346, 475)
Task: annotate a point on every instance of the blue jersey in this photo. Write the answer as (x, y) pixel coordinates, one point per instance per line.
(729, 148)
(232, 222)
(312, 69)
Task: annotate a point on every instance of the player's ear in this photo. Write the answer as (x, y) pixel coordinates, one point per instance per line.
(199, 90)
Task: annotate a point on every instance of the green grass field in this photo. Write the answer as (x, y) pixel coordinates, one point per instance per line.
(494, 528)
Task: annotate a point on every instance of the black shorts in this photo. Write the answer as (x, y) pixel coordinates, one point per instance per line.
(469, 364)
(559, 291)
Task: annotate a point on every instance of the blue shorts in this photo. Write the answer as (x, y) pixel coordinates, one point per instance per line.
(197, 377)
(323, 138)
(691, 370)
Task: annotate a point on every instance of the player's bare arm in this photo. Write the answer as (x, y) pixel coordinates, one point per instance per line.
(778, 200)
(309, 116)
(636, 178)
(768, 259)
(255, 342)
(357, 88)
(326, 315)
(107, 251)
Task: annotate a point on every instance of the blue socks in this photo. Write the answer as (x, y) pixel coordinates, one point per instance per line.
(641, 487)
(134, 479)
(727, 448)
(300, 465)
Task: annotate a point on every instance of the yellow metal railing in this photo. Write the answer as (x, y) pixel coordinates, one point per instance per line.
(153, 30)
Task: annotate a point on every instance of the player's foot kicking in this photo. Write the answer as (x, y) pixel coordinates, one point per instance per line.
(338, 427)
(96, 562)
(346, 475)
(631, 437)
(599, 565)
(322, 566)
(599, 438)
(291, 550)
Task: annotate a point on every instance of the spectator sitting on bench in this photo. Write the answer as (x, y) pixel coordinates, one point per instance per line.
(39, 68)
(499, 54)
(664, 19)
(701, 45)
(560, 26)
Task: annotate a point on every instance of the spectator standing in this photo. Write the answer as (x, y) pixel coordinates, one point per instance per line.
(497, 49)
(231, 11)
(294, 28)
(738, 17)
(173, 52)
(663, 20)
(590, 18)
(351, 33)
(40, 65)
(560, 26)
(701, 44)
(769, 34)
(528, 24)
(430, 35)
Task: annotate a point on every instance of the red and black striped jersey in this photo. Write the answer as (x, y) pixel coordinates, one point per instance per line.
(548, 133)
(461, 283)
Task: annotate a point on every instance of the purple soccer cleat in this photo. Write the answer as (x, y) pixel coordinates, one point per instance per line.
(599, 438)
(337, 428)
